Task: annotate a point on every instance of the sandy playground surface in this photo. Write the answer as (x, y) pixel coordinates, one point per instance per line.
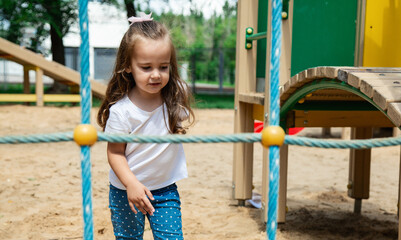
(40, 186)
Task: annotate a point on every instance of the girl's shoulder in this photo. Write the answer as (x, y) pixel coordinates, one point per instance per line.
(121, 106)
(120, 103)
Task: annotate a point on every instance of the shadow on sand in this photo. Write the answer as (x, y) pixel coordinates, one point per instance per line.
(338, 224)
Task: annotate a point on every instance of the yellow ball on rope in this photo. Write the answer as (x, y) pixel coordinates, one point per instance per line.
(85, 135)
(273, 136)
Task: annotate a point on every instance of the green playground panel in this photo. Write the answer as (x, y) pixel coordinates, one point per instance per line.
(261, 49)
(323, 34)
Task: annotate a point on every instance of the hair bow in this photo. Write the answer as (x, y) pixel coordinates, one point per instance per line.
(143, 17)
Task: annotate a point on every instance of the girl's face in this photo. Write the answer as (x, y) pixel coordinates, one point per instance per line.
(150, 65)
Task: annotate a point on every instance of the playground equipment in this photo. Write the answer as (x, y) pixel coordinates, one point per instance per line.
(42, 66)
(362, 35)
(246, 101)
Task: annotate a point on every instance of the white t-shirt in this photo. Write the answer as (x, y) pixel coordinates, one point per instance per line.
(154, 165)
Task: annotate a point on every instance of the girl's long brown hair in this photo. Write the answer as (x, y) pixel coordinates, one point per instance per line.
(175, 94)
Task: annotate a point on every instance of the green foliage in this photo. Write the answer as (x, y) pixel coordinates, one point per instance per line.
(27, 22)
(204, 44)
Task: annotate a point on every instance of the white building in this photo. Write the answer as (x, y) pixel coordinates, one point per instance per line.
(107, 25)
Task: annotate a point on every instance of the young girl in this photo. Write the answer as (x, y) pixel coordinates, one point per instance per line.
(145, 96)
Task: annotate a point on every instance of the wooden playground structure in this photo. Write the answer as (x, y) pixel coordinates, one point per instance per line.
(36, 62)
(340, 66)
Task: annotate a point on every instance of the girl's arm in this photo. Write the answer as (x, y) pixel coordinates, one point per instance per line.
(137, 193)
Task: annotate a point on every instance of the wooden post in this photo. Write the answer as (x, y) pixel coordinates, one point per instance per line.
(359, 169)
(39, 87)
(326, 132)
(243, 155)
(360, 33)
(245, 82)
(399, 203)
(26, 80)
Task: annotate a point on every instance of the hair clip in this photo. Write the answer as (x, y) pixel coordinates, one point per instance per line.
(143, 17)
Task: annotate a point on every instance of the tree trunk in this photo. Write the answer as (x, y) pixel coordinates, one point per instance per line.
(129, 5)
(57, 46)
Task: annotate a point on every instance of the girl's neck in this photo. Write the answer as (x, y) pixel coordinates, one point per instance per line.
(145, 101)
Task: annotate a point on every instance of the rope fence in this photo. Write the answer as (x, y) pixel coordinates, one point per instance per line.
(220, 138)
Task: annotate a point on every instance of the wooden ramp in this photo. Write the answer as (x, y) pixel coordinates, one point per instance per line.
(355, 94)
(56, 71)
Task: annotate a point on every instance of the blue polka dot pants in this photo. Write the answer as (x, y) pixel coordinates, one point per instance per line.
(166, 220)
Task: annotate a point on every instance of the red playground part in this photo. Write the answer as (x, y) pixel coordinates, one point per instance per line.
(258, 127)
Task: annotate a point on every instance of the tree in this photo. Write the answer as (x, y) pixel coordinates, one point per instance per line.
(44, 17)
(55, 16)
(19, 23)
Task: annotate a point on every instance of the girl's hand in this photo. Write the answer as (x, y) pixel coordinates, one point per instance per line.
(138, 195)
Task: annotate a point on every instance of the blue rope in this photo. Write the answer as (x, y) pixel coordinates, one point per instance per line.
(85, 92)
(343, 144)
(223, 138)
(274, 119)
(242, 137)
(37, 138)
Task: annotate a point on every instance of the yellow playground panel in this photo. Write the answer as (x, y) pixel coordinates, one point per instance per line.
(360, 39)
(382, 39)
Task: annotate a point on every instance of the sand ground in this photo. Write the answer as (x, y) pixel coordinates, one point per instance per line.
(40, 190)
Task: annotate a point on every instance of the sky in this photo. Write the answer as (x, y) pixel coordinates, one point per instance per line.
(208, 7)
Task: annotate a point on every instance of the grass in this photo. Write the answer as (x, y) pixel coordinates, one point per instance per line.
(204, 101)
(225, 84)
(15, 88)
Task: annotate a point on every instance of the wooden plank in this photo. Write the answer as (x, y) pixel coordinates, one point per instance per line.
(344, 72)
(359, 166)
(17, 98)
(399, 199)
(282, 195)
(243, 156)
(39, 87)
(354, 79)
(62, 98)
(331, 72)
(46, 98)
(26, 80)
(25, 57)
(245, 81)
(394, 112)
(286, 41)
(252, 97)
(339, 119)
(360, 33)
(382, 96)
(311, 73)
(367, 84)
(287, 85)
(302, 76)
(258, 112)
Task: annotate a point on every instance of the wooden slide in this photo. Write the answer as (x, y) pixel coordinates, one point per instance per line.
(42, 66)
